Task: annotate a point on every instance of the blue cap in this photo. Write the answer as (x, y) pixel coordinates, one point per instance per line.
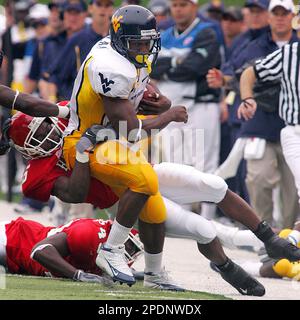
(79, 6)
(264, 4)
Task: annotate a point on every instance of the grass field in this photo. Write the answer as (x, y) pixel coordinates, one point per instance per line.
(35, 288)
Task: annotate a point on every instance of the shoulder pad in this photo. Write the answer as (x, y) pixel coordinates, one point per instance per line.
(110, 74)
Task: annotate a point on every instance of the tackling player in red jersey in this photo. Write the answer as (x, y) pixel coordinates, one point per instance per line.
(70, 251)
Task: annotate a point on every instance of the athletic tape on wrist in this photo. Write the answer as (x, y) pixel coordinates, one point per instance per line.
(82, 157)
(63, 111)
(15, 99)
(139, 133)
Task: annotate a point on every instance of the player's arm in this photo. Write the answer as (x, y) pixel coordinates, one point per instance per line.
(122, 110)
(50, 253)
(74, 189)
(30, 105)
(248, 105)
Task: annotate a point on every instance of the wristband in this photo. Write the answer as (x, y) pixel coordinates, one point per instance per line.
(77, 275)
(82, 157)
(248, 98)
(15, 99)
(245, 100)
(139, 133)
(63, 111)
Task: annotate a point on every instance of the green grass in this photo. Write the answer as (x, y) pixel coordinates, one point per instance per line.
(17, 197)
(36, 288)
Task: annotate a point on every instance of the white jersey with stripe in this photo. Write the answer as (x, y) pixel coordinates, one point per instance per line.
(103, 73)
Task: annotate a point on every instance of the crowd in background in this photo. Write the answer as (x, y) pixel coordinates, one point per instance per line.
(204, 51)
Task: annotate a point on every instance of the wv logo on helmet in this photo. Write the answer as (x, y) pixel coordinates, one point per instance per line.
(105, 83)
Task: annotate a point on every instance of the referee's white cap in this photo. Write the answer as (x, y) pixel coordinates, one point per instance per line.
(286, 4)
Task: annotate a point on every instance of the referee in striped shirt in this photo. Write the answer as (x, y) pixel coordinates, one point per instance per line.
(283, 65)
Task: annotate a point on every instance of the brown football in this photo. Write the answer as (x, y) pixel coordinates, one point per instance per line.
(150, 93)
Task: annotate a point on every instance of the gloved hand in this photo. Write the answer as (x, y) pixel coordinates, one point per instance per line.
(92, 278)
(4, 147)
(94, 135)
(5, 143)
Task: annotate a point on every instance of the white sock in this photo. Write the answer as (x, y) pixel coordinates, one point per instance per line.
(294, 237)
(246, 238)
(118, 235)
(153, 262)
(252, 267)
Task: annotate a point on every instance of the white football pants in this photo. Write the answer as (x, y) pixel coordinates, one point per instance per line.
(181, 184)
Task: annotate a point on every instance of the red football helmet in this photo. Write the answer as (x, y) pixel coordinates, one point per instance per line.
(36, 137)
(133, 247)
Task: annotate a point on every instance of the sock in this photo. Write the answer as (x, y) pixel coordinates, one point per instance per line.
(118, 235)
(153, 262)
(246, 238)
(252, 267)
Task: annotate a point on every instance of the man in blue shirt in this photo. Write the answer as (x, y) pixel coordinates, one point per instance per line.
(189, 50)
(63, 72)
(65, 19)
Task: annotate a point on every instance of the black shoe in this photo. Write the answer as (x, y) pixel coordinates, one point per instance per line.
(239, 279)
(276, 247)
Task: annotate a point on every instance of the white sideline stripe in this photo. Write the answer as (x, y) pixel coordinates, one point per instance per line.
(155, 297)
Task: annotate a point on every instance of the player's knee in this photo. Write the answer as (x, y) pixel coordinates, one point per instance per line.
(206, 233)
(154, 210)
(217, 185)
(198, 228)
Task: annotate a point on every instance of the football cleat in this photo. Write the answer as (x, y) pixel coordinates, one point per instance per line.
(239, 279)
(112, 261)
(161, 281)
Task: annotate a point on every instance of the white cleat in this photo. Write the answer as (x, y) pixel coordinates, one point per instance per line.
(112, 261)
(161, 281)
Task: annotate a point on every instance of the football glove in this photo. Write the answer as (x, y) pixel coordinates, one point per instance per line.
(94, 135)
(5, 143)
(4, 147)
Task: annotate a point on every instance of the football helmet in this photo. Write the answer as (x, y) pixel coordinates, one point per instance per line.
(36, 137)
(135, 24)
(133, 247)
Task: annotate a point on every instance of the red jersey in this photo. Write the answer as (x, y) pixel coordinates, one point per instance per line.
(41, 174)
(83, 238)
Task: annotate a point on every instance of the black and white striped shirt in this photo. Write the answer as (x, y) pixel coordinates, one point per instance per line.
(284, 64)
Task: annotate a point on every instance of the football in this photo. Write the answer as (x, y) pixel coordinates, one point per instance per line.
(150, 93)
